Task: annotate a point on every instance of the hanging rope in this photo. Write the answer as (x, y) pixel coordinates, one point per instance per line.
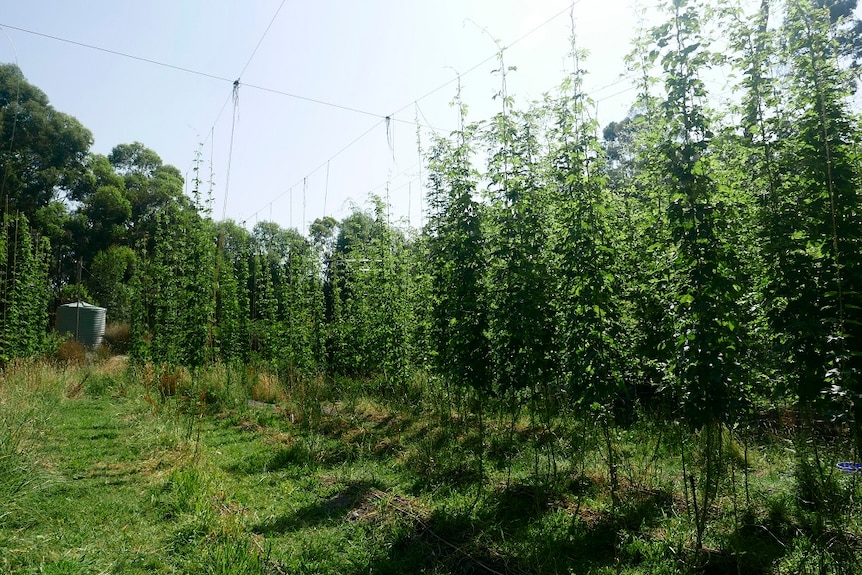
(230, 147)
(304, 190)
(390, 136)
(212, 173)
(416, 113)
(326, 189)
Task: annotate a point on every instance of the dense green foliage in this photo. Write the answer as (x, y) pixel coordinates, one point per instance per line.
(699, 265)
(23, 290)
(102, 473)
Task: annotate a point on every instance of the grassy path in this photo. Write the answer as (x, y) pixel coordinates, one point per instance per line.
(88, 505)
(99, 478)
(115, 487)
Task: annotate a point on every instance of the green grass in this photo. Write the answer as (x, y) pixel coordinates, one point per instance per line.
(101, 472)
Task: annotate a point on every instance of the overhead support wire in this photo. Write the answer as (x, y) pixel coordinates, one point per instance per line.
(492, 56)
(321, 166)
(198, 72)
(117, 53)
(387, 118)
(317, 101)
(235, 96)
(259, 42)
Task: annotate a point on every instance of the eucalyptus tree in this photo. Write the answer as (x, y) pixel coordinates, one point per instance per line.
(42, 151)
(118, 198)
(103, 215)
(43, 156)
(110, 272)
(149, 182)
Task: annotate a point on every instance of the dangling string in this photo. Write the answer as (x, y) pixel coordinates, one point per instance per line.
(304, 190)
(326, 189)
(230, 148)
(210, 199)
(419, 153)
(390, 137)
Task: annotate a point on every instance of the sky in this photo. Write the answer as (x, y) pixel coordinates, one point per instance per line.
(307, 135)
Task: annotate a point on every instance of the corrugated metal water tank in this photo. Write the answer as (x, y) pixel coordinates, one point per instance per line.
(86, 322)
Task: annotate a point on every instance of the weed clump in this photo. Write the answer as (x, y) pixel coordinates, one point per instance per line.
(71, 352)
(266, 388)
(118, 338)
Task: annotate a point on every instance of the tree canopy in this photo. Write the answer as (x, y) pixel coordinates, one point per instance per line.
(44, 151)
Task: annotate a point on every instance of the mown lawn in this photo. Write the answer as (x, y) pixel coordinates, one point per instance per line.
(102, 474)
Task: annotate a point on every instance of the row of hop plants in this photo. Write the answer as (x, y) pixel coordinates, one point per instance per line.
(557, 256)
(700, 265)
(24, 293)
(557, 261)
(562, 280)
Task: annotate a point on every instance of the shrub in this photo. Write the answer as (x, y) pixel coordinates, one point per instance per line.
(118, 337)
(172, 380)
(71, 351)
(266, 389)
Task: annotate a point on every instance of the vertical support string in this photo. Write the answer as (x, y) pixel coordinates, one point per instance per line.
(326, 189)
(230, 147)
(304, 190)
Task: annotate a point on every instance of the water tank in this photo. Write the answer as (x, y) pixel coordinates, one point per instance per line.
(85, 322)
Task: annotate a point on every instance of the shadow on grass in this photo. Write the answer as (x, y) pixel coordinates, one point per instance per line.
(518, 530)
(755, 547)
(265, 460)
(348, 503)
(758, 544)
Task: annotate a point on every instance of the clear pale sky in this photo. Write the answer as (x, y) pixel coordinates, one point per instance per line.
(378, 56)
